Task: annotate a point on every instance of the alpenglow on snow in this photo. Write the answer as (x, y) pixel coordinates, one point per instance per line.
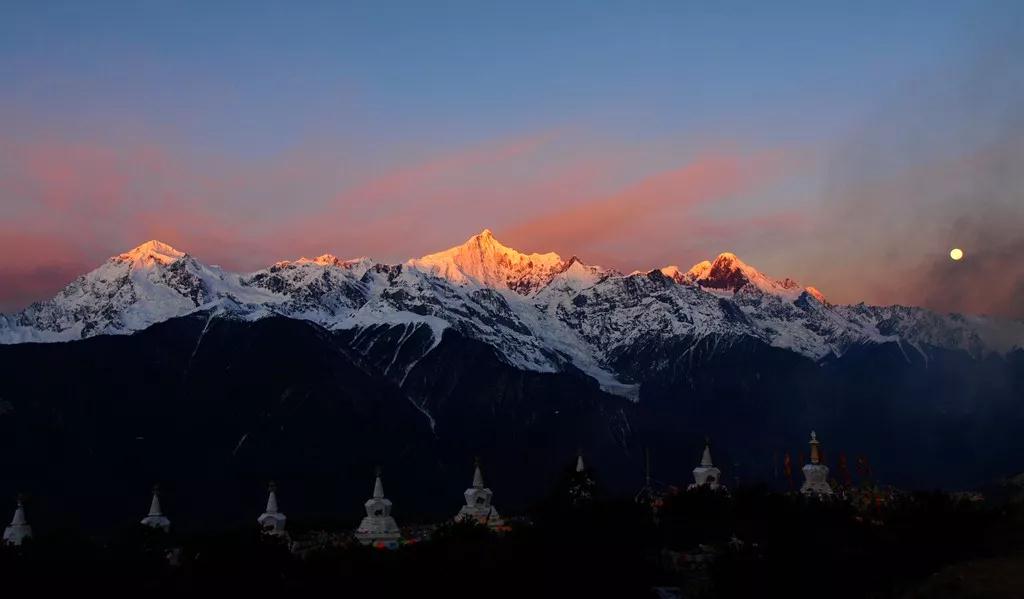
(539, 312)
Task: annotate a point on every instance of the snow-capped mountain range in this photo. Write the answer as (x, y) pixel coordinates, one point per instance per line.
(539, 312)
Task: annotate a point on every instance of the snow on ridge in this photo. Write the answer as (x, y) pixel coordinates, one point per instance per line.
(484, 260)
(129, 292)
(358, 265)
(728, 273)
(151, 253)
(697, 272)
(538, 311)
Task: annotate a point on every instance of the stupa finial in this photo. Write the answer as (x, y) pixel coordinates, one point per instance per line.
(815, 451)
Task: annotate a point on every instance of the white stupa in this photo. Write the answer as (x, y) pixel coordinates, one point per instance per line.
(272, 521)
(156, 518)
(815, 473)
(478, 503)
(705, 474)
(378, 525)
(19, 530)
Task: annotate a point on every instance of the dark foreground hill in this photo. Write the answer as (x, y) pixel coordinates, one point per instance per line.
(212, 408)
(703, 544)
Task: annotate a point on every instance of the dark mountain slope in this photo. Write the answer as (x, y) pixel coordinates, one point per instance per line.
(212, 409)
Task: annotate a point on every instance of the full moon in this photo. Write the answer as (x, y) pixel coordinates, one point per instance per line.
(956, 253)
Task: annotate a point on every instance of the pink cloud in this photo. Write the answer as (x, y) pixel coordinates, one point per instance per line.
(644, 204)
(409, 179)
(34, 266)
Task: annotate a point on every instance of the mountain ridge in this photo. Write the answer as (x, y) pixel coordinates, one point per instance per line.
(540, 312)
(311, 371)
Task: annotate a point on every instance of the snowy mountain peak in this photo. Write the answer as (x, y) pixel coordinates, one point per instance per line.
(129, 292)
(813, 292)
(697, 272)
(574, 276)
(151, 253)
(483, 260)
(538, 311)
(672, 271)
(728, 273)
(323, 260)
(573, 260)
(727, 263)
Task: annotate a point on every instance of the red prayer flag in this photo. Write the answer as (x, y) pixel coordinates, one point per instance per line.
(844, 470)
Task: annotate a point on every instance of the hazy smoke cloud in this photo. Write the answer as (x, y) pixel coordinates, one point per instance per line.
(940, 167)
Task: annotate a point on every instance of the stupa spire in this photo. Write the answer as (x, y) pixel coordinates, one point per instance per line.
(156, 518)
(272, 521)
(705, 458)
(378, 487)
(19, 518)
(478, 477)
(272, 498)
(19, 529)
(154, 505)
(580, 466)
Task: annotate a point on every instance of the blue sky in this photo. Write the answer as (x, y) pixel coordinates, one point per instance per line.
(255, 77)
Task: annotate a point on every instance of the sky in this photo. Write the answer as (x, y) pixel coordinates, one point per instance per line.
(847, 145)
